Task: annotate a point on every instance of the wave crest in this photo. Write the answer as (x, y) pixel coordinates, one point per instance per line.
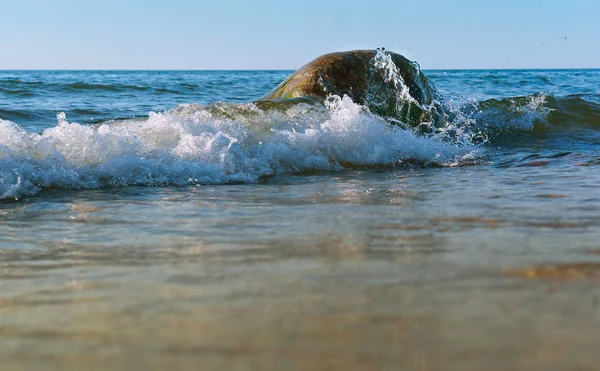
(215, 144)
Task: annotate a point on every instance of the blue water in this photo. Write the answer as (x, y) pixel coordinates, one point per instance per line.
(144, 225)
(32, 98)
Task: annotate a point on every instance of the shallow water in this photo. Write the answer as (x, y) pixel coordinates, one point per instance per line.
(346, 244)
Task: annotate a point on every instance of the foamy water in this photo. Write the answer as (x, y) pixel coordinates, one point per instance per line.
(189, 145)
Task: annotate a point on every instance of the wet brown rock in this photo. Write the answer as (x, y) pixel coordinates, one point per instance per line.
(367, 77)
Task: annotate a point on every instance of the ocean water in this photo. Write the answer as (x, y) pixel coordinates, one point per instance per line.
(159, 219)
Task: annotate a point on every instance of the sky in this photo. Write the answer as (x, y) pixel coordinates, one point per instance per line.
(284, 34)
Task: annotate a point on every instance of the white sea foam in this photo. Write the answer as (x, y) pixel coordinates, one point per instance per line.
(211, 145)
(517, 114)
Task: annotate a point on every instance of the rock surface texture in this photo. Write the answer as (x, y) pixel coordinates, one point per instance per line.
(387, 83)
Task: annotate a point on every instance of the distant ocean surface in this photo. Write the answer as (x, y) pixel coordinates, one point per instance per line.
(159, 219)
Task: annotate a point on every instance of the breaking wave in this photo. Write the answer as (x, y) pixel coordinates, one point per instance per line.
(224, 143)
(215, 144)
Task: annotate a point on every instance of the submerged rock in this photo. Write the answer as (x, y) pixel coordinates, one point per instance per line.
(387, 83)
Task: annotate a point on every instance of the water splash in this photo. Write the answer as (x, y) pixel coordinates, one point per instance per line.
(464, 122)
(213, 144)
(389, 95)
(387, 92)
(480, 121)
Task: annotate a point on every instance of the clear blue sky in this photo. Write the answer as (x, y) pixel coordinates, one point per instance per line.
(284, 34)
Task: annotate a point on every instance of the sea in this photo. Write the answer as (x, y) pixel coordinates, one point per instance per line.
(161, 220)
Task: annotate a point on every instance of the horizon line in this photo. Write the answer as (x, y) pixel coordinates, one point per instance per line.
(276, 70)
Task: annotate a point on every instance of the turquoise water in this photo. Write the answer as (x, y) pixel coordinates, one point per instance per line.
(142, 228)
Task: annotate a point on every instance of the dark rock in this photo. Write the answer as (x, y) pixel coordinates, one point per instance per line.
(387, 83)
